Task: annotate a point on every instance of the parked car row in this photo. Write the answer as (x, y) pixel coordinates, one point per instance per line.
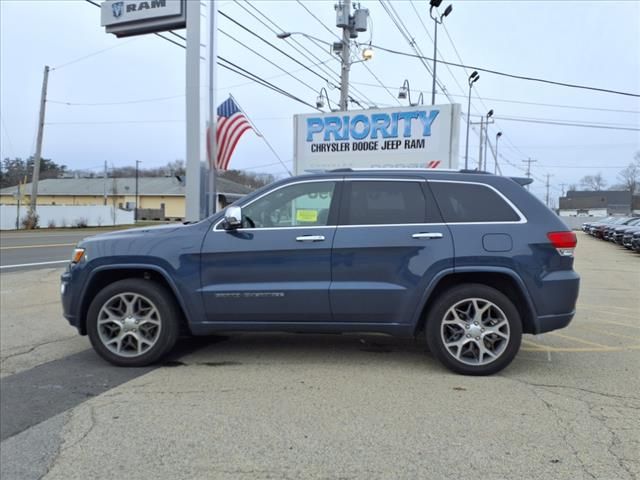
(624, 231)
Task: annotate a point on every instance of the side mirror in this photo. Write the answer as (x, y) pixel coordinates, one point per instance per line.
(232, 218)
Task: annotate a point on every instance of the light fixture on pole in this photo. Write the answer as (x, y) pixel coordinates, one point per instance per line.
(473, 78)
(437, 20)
(322, 96)
(486, 140)
(405, 92)
(495, 166)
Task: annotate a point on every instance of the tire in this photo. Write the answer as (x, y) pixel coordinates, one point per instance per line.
(133, 322)
(451, 318)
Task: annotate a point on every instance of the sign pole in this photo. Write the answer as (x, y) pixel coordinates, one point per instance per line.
(192, 73)
(213, 116)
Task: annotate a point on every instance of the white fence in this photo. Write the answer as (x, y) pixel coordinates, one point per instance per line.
(66, 216)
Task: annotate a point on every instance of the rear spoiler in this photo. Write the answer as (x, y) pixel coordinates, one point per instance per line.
(522, 180)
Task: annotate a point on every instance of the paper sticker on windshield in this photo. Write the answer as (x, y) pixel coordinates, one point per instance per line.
(308, 216)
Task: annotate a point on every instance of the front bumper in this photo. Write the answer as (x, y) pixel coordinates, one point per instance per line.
(68, 298)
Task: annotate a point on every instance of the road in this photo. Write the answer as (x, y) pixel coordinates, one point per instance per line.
(28, 250)
(325, 406)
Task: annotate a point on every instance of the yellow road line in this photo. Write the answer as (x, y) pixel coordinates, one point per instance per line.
(578, 349)
(611, 334)
(579, 340)
(606, 306)
(621, 324)
(536, 347)
(39, 246)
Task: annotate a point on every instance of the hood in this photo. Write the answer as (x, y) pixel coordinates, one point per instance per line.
(139, 231)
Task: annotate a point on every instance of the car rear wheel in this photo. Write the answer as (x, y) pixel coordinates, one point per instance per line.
(133, 322)
(474, 329)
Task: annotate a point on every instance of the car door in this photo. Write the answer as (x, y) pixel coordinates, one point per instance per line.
(389, 245)
(277, 266)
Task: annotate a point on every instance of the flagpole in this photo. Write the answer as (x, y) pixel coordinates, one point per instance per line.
(259, 133)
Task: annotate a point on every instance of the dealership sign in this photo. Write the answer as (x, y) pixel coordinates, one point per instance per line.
(409, 137)
(134, 17)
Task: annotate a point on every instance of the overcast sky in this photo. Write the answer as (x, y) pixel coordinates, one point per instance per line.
(590, 43)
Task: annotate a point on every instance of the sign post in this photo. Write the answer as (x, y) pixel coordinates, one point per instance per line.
(125, 18)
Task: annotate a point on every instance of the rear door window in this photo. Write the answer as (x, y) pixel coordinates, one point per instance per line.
(471, 202)
(384, 203)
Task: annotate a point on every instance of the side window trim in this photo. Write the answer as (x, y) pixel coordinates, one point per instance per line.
(516, 210)
(338, 189)
(345, 205)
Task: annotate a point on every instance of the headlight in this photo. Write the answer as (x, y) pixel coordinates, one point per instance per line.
(78, 255)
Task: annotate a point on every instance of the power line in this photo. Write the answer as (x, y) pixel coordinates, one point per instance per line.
(237, 69)
(510, 75)
(98, 52)
(272, 45)
(568, 124)
(521, 102)
(313, 89)
(335, 35)
(278, 30)
(247, 74)
(124, 102)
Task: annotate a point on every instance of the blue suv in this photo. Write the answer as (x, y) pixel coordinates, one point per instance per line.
(469, 259)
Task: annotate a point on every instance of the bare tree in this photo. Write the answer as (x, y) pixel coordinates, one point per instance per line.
(593, 182)
(630, 176)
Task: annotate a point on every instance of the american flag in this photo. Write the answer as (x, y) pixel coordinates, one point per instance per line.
(232, 123)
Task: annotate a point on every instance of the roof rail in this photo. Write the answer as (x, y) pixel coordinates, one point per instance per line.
(448, 170)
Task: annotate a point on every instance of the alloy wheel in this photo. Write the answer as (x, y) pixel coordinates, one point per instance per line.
(475, 331)
(129, 324)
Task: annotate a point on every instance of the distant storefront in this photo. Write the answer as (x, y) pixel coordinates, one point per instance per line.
(159, 198)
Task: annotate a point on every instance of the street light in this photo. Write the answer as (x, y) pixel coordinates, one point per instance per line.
(322, 96)
(495, 167)
(437, 20)
(405, 92)
(486, 139)
(473, 78)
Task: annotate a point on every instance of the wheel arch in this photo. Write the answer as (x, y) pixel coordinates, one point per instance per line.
(502, 279)
(106, 275)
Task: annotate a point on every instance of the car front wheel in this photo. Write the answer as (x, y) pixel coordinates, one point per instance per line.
(474, 329)
(133, 322)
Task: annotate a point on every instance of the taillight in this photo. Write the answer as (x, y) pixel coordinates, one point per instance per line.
(564, 242)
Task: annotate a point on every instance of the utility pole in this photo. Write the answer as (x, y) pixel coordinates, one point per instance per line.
(105, 182)
(437, 20)
(19, 193)
(346, 55)
(481, 143)
(529, 161)
(547, 185)
(38, 155)
(135, 212)
(562, 185)
(495, 156)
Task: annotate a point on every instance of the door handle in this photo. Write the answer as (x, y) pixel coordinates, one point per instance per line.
(427, 235)
(310, 238)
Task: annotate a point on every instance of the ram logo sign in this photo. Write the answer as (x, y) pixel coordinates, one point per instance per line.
(117, 8)
(403, 137)
(133, 17)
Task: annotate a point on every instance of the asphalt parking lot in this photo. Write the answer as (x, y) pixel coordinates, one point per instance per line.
(325, 406)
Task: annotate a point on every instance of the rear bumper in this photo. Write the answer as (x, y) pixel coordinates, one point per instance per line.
(556, 296)
(548, 323)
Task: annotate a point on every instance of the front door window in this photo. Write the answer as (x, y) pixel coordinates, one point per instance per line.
(298, 205)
